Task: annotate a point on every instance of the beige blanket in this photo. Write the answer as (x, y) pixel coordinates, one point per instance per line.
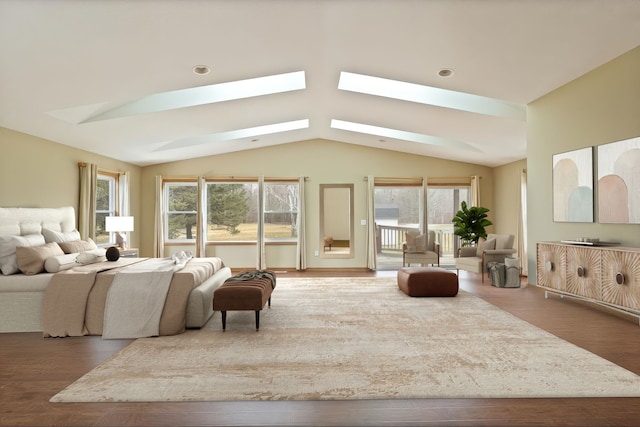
(74, 302)
(136, 299)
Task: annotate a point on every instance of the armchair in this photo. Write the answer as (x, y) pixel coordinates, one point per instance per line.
(495, 248)
(420, 249)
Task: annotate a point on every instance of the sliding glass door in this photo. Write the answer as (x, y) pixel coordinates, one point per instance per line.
(397, 210)
(442, 204)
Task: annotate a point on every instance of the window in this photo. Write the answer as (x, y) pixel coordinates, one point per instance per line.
(181, 204)
(106, 197)
(232, 211)
(281, 211)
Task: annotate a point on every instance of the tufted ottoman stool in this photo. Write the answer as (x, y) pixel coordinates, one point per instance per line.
(427, 282)
(249, 290)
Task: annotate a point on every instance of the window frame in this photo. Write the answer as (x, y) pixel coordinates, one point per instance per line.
(294, 211)
(231, 181)
(167, 212)
(113, 179)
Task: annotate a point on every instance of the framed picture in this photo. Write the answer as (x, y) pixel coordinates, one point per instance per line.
(573, 186)
(619, 182)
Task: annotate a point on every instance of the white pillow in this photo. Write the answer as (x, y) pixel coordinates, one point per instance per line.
(8, 244)
(55, 264)
(60, 236)
(93, 256)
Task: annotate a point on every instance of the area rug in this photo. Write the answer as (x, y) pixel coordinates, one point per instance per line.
(354, 338)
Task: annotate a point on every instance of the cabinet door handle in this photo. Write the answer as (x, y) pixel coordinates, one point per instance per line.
(582, 272)
(620, 278)
(548, 266)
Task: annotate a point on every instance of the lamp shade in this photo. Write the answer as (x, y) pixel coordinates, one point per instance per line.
(118, 223)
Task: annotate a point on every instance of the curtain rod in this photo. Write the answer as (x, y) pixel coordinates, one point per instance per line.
(266, 178)
(235, 178)
(452, 177)
(366, 178)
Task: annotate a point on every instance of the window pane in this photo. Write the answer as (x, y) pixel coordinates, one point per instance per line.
(397, 209)
(232, 211)
(182, 226)
(398, 206)
(281, 211)
(102, 236)
(181, 206)
(104, 194)
(105, 206)
(442, 205)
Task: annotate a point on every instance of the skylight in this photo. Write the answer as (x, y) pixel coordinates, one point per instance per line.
(430, 95)
(186, 98)
(400, 134)
(236, 134)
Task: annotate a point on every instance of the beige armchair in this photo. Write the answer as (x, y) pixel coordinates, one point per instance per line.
(495, 248)
(420, 249)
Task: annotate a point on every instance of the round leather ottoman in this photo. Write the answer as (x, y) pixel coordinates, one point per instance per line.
(427, 282)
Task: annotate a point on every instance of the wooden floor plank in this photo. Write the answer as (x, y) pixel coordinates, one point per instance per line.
(33, 369)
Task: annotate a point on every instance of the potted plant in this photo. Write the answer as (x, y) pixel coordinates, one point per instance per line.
(470, 223)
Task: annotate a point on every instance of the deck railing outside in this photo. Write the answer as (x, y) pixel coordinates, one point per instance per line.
(390, 237)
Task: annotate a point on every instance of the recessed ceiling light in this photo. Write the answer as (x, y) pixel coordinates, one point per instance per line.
(445, 72)
(201, 70)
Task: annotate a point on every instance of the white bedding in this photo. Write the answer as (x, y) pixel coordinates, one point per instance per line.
(24, 283)
(21, 296)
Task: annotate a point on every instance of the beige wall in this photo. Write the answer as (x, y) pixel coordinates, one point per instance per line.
(49, 178)
(323, 162)
(39, 173)
(600, 107)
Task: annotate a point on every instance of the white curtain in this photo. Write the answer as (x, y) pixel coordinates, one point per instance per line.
(371, 224)
(301, 247)
(87, 203)
(201, 219)
(425, 211)
(474, 196)
(123, 194)
(158, 238)
(522, 224)
(261, 261)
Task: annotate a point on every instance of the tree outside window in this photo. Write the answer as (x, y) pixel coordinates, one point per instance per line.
(281, 210)
(232, 211)
(105, 205)
(182, 204)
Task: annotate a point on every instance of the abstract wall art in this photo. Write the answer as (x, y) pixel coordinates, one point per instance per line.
(573, 186)
(619, 182)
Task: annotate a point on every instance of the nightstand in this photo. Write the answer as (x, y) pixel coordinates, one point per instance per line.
(128, 253)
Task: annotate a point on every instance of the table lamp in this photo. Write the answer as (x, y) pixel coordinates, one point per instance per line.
(119, 225)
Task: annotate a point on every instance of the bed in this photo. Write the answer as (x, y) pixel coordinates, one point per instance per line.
(46, 283)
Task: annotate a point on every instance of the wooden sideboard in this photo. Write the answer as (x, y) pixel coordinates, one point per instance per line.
(609, 276)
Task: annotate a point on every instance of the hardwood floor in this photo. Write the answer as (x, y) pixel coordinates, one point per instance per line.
(33, 369)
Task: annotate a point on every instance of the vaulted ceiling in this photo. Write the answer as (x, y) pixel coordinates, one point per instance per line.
(119, 78)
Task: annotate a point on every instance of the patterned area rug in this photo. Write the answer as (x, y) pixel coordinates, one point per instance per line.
(354, 338)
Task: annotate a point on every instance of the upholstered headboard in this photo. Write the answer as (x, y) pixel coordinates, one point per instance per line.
(25, 221)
